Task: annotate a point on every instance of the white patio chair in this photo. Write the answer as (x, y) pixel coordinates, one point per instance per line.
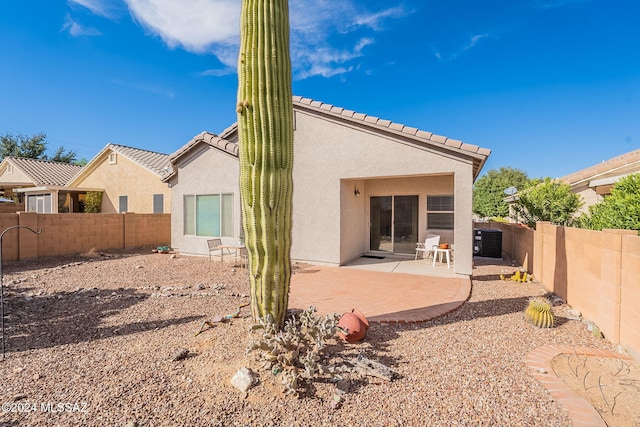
(427, 247)
(214, 246)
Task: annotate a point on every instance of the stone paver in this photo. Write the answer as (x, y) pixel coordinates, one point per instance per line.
(581, 412)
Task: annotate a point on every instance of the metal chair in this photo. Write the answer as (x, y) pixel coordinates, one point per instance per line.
(427, 248)
(213, 245)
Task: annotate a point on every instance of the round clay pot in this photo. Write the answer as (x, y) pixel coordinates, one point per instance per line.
(444, 246)
(357, 325)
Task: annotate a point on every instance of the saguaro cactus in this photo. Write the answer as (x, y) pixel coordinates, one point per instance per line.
(265, 128)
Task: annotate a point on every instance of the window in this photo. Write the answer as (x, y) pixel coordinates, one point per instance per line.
(9, 169)
(208, 215)
(158, 203)
(40, 203)
(123, 202)
(113, 158)
(440, 212)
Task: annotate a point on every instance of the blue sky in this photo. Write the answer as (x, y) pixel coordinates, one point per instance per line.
(550, 86)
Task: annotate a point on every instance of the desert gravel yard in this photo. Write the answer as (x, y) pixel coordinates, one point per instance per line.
(91, 340)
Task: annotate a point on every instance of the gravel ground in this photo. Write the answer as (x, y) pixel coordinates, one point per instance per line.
(90, 342)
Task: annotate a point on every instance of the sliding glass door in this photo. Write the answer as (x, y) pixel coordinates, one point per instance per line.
(393, 224)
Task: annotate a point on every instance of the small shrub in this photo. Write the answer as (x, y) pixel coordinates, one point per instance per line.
(295, 353)
(93, 202)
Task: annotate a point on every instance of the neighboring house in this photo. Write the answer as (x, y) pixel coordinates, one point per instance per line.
(44, 180)
(130, 179)
(361, 185)
(595, 182)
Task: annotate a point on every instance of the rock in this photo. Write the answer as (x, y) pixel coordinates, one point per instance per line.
(574, 314)
(242, 380)
(132, 424)
(181, 353)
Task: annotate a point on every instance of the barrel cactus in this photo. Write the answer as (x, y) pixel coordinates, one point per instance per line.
(540, 313)
(265, 131)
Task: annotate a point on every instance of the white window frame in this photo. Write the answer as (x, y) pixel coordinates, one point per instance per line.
(190, 202)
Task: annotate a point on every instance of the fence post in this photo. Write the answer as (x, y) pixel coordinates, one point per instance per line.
(27, 242)
(130, 239)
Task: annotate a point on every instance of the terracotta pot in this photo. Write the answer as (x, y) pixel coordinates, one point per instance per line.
(356, 324)
(444, 246)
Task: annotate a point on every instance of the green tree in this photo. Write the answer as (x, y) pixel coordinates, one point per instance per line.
(32, 147)
(488, 191)
(620, 209)
(265, 129)
(64, 157)
(546, 200)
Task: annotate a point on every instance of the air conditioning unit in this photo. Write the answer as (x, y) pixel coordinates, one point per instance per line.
(487, 243)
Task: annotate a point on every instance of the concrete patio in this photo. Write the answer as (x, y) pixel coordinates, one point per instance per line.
(392, 289)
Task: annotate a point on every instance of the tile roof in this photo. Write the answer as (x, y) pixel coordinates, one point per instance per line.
(611, 165)
(430, 138)
(209, 139)
(43, 172)
(155, 162)
(227, 140)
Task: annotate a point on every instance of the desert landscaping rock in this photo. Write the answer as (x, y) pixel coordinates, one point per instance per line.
(106, 346)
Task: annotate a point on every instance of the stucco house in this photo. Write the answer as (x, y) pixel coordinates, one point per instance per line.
(130, 179)
(362, 185)
(595, 182)
(38, 183)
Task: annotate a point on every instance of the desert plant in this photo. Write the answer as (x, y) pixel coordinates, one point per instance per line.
(265, 132)
(295, 353)
(619, 210)
(520, 276)
(540, 313)
(546, 200)
(93, 202)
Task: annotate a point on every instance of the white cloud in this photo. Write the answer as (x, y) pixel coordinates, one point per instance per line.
(76, 29)
(474, 40)
(471, 43)
(212, 26)
(97, 7)
(194, 25)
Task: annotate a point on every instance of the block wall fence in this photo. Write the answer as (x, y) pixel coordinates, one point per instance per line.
(596, 272)
(68, 234)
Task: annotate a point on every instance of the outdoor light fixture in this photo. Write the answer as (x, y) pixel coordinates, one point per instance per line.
(356, 192)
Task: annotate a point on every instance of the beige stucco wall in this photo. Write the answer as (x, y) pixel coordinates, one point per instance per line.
(330, 225)
(332, 157)
(356, 209)
(17, 177)
(125, 178)
(589, 197)
(204, 170)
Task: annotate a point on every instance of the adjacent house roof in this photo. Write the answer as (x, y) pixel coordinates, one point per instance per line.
(156, 163)
(227, 140)
(207, 138)
(42, 172)
(609, 170)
